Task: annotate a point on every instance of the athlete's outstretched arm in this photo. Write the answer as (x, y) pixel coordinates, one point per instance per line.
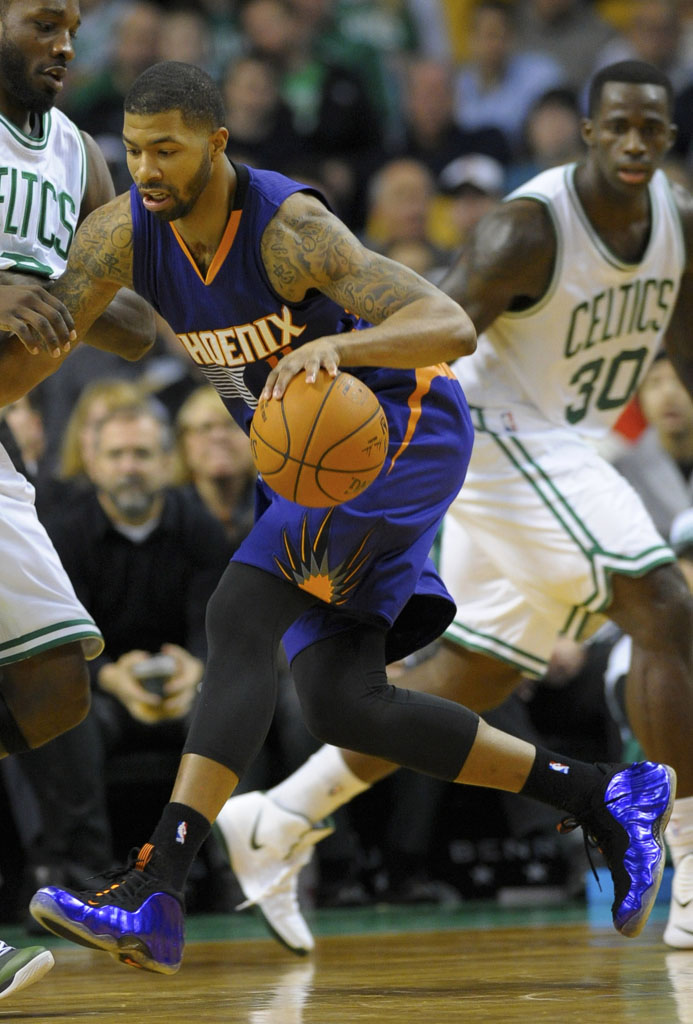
(305, 247)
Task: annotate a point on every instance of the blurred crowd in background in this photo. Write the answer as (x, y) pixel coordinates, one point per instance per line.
(413, 117)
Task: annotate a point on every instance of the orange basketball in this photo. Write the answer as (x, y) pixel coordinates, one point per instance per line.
(323, 443)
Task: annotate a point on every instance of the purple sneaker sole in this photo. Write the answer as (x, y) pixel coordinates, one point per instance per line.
(151, 937)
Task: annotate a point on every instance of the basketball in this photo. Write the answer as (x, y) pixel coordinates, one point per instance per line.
(323, 443)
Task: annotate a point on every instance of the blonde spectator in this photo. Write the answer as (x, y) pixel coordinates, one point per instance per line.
(213, 457)
(96, 401)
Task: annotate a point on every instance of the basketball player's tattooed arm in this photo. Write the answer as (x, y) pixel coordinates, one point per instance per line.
(100, 262)
(127, 325)
(305, 247)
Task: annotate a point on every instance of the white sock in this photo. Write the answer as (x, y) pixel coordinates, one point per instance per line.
(679, 831)
(319, 786)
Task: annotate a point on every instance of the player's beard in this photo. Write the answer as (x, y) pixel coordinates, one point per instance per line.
(182, 205)
(14, 79)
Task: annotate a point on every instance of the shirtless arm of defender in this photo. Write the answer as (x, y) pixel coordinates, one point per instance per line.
(506, 263)
(305, 247)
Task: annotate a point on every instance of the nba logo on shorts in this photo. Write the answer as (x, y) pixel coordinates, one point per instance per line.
(556, 766)
(181, 832)
(508, 421)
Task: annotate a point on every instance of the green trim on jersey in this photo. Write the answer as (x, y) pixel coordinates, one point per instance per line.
(523, 661)
(601, 562)
(669, 194)
(38, 640)
(27, 264)
(83, 172)
(35, 142)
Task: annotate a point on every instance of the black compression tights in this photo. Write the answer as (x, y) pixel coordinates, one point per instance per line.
(341, 682)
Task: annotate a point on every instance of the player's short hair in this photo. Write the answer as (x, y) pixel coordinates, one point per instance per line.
(173, 85)
(631, 71)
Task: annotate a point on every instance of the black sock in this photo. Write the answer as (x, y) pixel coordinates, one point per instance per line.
(176, 839)
(562, 782)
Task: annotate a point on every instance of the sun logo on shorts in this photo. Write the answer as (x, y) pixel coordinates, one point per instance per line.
(306, 564)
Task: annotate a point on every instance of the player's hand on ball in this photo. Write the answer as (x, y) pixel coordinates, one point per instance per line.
(308, 358)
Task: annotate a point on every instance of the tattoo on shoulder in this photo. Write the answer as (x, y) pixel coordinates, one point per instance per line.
(301, 252)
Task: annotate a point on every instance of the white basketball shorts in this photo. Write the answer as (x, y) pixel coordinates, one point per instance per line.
(38, 605)
(529, 545)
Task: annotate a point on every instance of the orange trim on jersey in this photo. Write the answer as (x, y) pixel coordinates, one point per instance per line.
(221, 253)
(424, 379)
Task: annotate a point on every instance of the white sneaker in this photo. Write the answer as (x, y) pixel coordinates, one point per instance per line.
(679, 930)
(22, 967)
(267, 847)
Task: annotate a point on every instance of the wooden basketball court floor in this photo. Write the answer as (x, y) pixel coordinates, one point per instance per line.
(474, 963)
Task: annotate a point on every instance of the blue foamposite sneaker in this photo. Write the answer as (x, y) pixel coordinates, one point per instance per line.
(135, 918)
(626, 821)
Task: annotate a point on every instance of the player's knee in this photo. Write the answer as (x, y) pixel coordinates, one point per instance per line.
(345, 715)
(43, 697)
(72, 707)
(663, 621)
(326, 719)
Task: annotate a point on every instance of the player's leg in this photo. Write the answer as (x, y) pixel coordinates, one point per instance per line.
(139, 919)
(42, 696)
(624, 807)
(295, 814)
(656, 610)
(44, 683)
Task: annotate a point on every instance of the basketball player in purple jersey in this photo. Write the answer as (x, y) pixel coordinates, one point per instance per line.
(254, 272)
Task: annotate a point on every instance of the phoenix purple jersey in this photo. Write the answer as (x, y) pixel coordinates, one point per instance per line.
(368, 559)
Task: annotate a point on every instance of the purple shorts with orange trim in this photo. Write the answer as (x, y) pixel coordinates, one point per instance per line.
(368, 560)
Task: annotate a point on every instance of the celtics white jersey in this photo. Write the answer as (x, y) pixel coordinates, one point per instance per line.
(577, 355)
(42, 182)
